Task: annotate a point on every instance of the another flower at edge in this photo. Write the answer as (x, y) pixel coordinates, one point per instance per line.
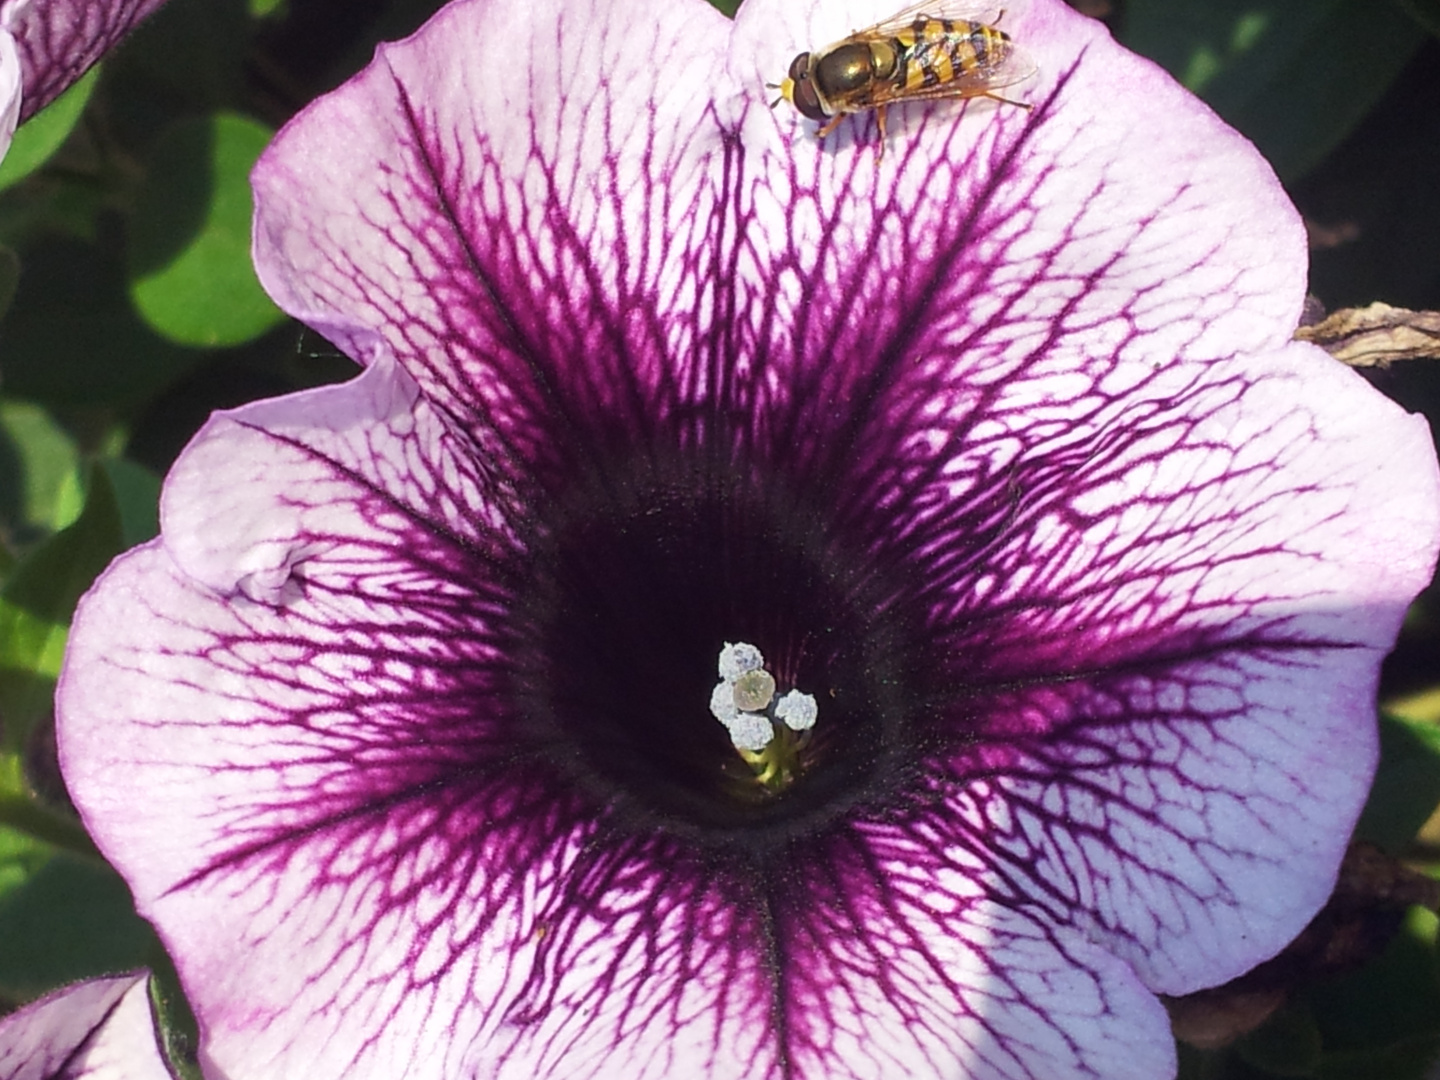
(998, 448)
(96, 1030)
(45, 45)
(54, 42)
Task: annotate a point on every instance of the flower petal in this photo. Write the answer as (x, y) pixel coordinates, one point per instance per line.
(883, 935)
(993, 255)
(10, 75)
(60, 39)
(1182, 620)
(345, 474)
(511, 201)
(97, 1030)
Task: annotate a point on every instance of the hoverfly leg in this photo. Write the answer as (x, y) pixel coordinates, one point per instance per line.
(831, 126)
(880, 122)
(1027, 106)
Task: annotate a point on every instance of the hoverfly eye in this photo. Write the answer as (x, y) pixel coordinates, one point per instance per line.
(807, 99)
(800, 67)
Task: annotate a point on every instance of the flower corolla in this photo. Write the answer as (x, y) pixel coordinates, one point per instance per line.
(997, 449)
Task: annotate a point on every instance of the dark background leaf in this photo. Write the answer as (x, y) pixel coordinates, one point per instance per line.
(72, 920)
(1273, 69)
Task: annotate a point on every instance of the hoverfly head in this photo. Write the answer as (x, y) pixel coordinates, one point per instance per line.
(800, 90)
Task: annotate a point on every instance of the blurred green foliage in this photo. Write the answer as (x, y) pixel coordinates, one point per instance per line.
(189, 245)
(36, 141)
(129, 310)
(1295, 77)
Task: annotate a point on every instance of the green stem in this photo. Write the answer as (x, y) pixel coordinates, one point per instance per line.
(29, 817)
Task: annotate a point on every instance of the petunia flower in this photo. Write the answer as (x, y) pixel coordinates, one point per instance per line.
(418, 733)
(97, 1030)
(54, 42)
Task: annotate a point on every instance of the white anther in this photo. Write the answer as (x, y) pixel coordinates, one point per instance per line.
(751, 731)
(722, 702)
(797, 711)
(739, 658)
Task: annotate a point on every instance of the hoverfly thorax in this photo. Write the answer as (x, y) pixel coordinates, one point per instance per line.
(843, 70)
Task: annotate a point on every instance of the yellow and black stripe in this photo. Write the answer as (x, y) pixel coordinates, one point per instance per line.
(934, 52)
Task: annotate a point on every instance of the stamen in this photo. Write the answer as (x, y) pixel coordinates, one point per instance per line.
(751, 732)
(768, 733)
(797, 711)
(739, 658)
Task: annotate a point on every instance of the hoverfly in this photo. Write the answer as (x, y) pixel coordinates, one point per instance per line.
(933, 49)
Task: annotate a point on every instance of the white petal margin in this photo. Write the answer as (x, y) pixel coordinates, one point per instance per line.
(342, 474)
(509, 197)
(97, 1030)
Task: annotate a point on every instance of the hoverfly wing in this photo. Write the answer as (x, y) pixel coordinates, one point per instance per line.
(988, 12)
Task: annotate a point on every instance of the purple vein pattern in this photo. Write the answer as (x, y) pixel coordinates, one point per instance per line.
(97, 1030)
(58, 40)
(998, 446)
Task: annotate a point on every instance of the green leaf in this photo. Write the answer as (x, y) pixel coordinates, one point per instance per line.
(1407, 784)
(260, 9)
(179, 1033)
(38, 601)
(43, 133)
(1296, 76)
(21, 858)
(73, 919)
(137, 494)
(9, 278)
(1425, 12)
(188, 57)
(52, 578)
(190, 272)
(73, 337)
(1288, 1044)
(39, 473)
(21, 854)
(31, 650)
(1388, 1008)
(23, 815)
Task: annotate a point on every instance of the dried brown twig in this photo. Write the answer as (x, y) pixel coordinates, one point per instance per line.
(1376, 336)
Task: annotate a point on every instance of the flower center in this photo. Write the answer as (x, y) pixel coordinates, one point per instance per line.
(638, 580)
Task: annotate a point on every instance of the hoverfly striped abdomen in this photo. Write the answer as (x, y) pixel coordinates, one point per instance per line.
(937, 52)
